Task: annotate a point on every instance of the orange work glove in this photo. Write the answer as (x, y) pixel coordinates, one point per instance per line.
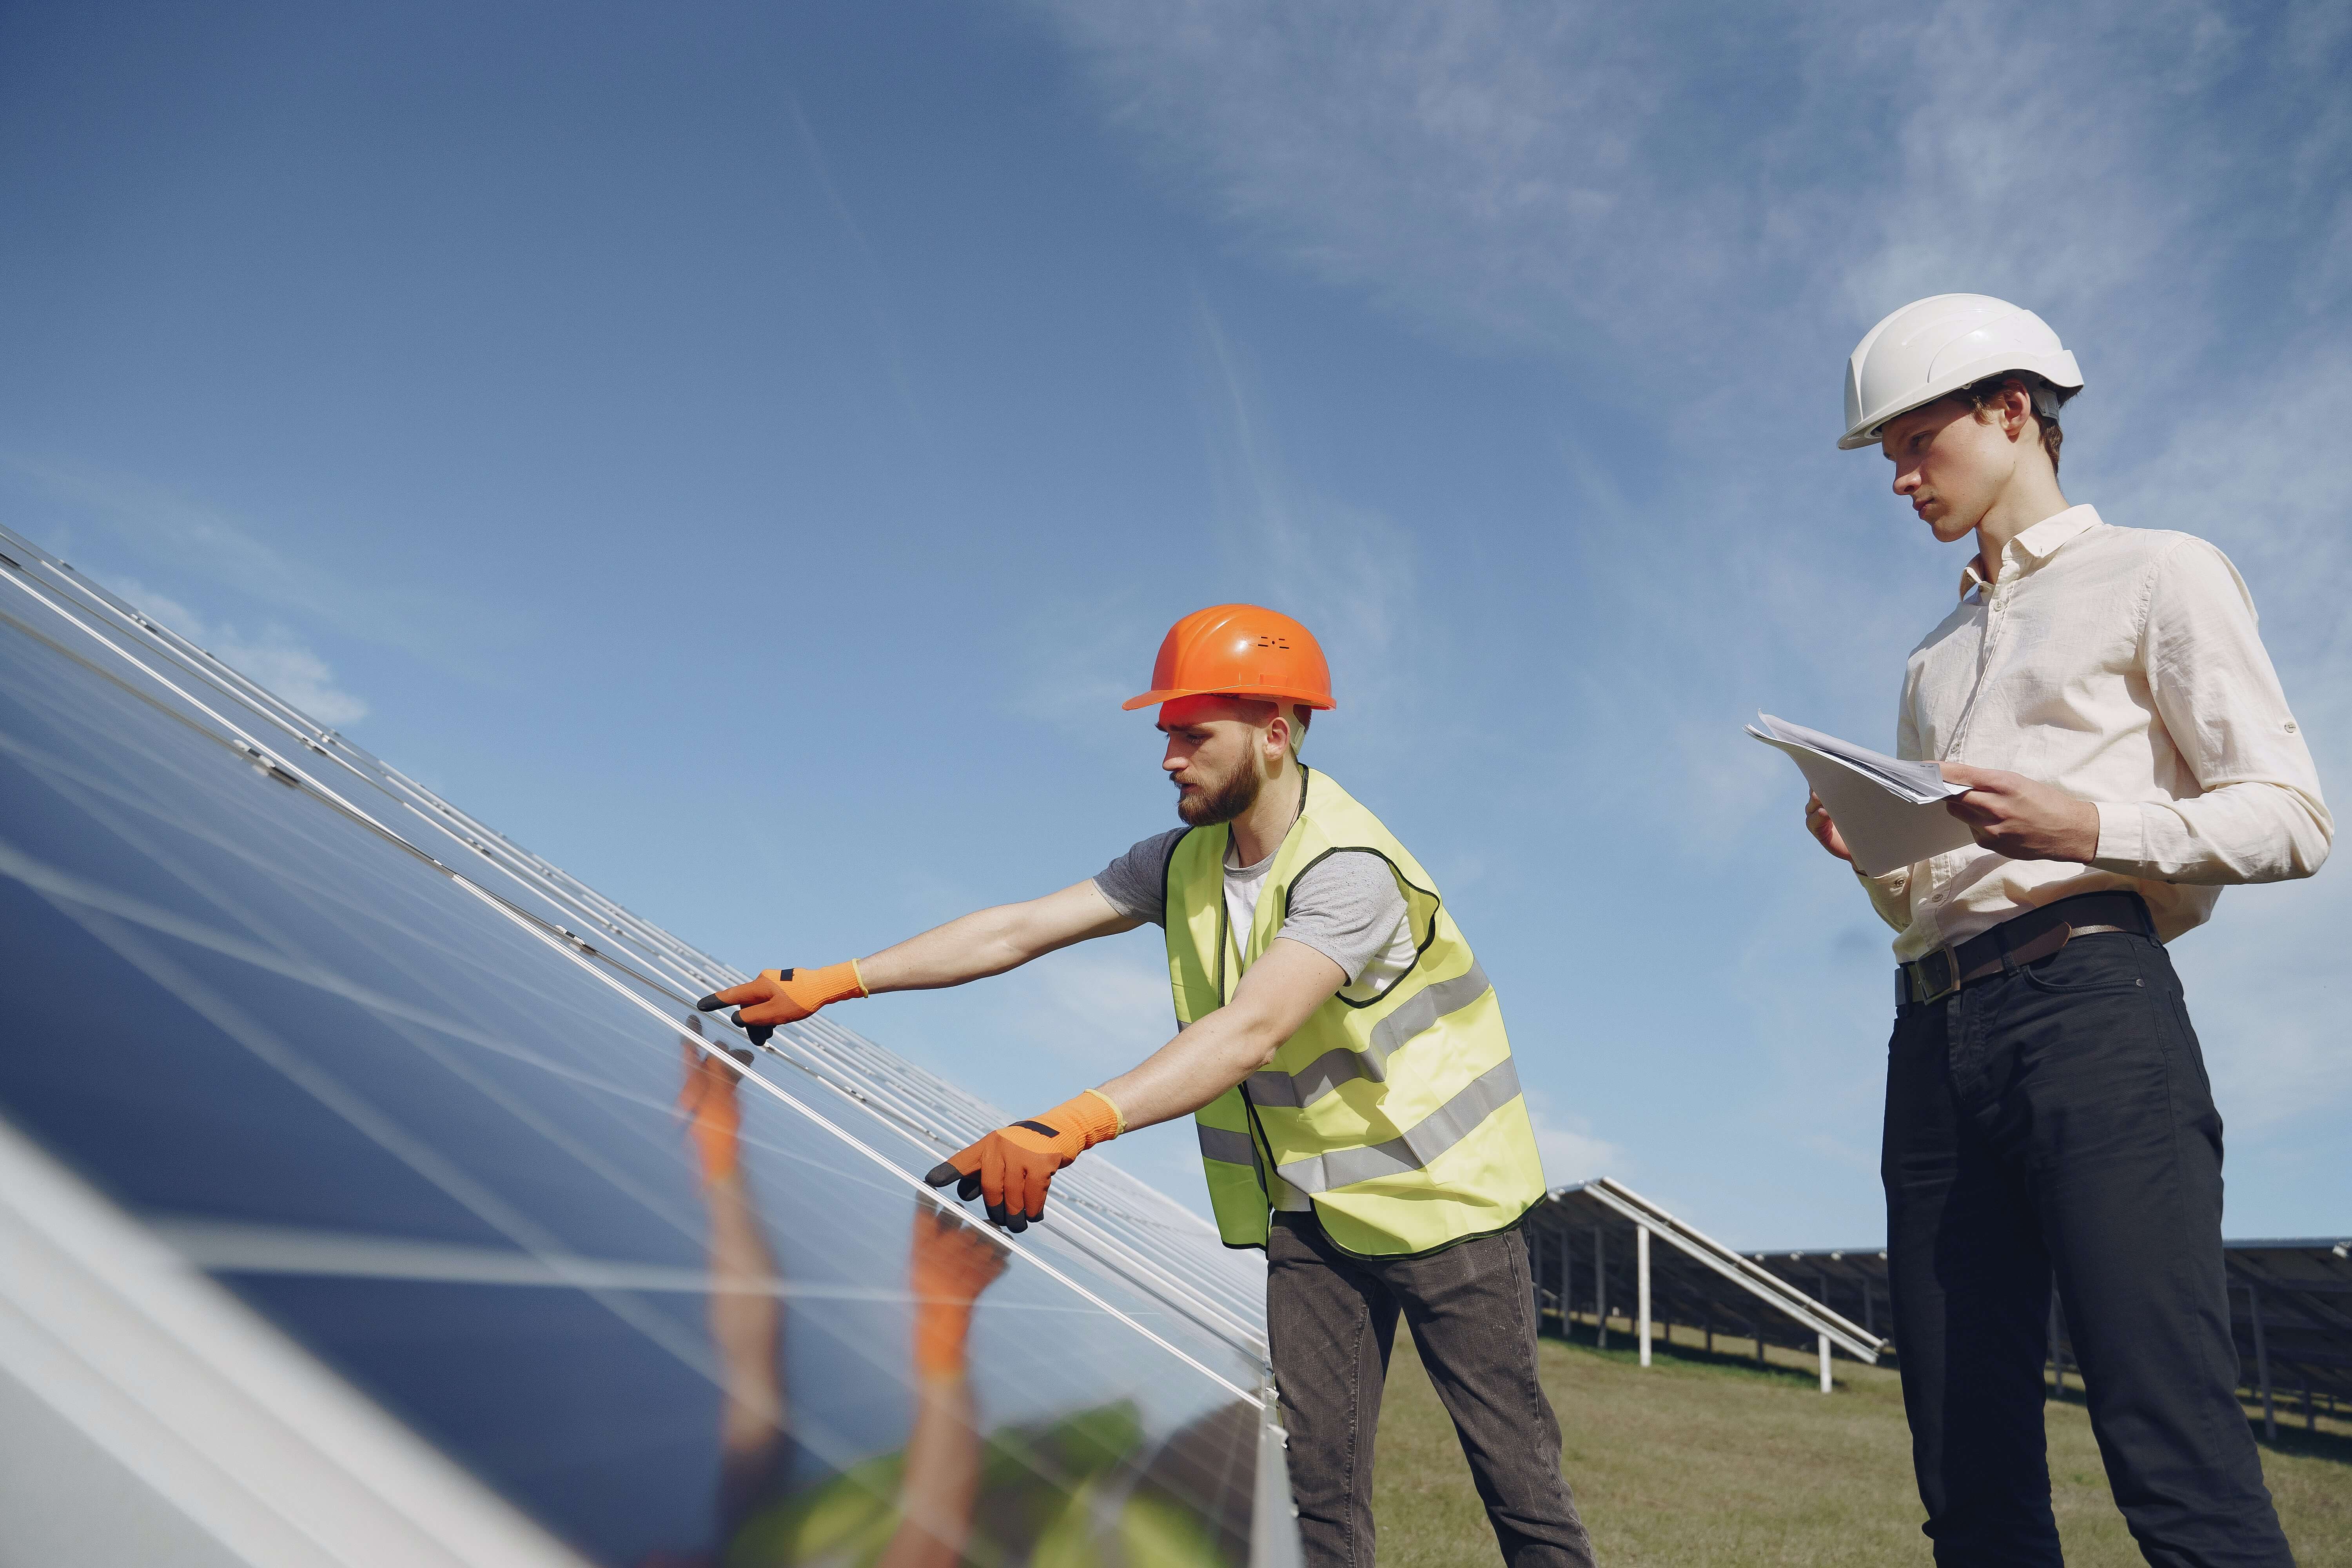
(784, 996)
(713, 1117)
(949, 1264)
(1013, 1166)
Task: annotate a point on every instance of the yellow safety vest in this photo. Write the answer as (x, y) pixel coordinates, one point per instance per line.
(1399, 1115)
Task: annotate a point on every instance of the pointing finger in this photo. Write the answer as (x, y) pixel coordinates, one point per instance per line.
(734, 995)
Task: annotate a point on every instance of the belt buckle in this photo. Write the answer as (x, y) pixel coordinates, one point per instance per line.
(1950, 962)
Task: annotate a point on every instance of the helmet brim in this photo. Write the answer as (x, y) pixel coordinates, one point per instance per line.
(1256, 693)
(2059, 370)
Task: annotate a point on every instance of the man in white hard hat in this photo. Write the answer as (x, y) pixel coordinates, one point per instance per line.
(2104, 696)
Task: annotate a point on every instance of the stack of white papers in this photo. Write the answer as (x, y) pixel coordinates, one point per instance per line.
(1890, 813)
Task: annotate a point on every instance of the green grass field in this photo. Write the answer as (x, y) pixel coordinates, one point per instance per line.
(1714, 1461)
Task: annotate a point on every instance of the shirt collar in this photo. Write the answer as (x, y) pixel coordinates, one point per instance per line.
(2035, 545)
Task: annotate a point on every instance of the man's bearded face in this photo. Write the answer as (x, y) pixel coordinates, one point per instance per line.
(1203, 801)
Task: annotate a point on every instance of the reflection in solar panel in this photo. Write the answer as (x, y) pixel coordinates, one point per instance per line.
(370, 1192)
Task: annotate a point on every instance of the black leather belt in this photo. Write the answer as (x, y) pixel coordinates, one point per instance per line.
(2019, 939)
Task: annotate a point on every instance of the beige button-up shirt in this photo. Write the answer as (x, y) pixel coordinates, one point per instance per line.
(2122, 666)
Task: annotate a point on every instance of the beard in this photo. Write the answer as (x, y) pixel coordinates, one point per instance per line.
(1223, 800)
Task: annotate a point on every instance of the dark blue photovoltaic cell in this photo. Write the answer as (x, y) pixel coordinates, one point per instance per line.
(491, 1190)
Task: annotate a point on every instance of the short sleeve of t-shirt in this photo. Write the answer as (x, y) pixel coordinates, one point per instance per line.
(1137, 882)
(1348, 908)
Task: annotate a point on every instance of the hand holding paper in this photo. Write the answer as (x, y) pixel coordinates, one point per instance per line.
(2024, 819)
(1889, 812)
(1825, 828)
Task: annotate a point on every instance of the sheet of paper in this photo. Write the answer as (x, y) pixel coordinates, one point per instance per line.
(1890, 812)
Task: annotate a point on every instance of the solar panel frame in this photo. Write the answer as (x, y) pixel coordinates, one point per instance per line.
(1131, 1253)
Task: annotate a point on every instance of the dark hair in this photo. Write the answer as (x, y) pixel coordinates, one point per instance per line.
(2045, 399)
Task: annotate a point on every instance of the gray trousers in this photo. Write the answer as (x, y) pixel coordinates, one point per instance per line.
(1332, 1321)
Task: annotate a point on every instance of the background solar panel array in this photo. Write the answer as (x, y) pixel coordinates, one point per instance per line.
(411, 1094)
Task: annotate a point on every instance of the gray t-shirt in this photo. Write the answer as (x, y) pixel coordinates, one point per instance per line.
(1346, 906)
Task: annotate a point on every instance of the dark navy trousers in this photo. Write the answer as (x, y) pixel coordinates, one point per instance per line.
(2055, 1121)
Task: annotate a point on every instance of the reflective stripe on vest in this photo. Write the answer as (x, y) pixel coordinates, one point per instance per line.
(1339, 1065)
(1398, 1115)
(1229, 1148)
(1433, 1135)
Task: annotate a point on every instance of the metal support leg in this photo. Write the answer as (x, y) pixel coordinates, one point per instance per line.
(1568, 1287)
(1600, 1288)
(1567, 1284)
(1755, 1332)
(1824, 1339)
(1641, 1283)
(2263, 1365)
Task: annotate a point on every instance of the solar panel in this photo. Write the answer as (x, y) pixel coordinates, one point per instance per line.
(308, 1067)
(1585, 1247)
(2290, 1310)
(2291, 1313)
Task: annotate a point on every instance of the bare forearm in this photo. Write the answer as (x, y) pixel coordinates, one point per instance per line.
(984, 943)
(989, 941)
(942, 1477)
(1194, 1069)
(745, 1317)
(1272, 1001)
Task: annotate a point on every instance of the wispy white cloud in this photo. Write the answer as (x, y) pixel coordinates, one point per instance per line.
(1707, 209)
(447, 625)
(1352, 575)
(1570, 1150)
(1349, 573)
(2265, 991)
(1080, 658)
(1702, 211)
(276, 657)
(1695, 212)
(1102, 1008)
(869, 271)
(1684, 187)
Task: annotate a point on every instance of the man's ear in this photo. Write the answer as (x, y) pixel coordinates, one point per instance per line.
(2017, 411)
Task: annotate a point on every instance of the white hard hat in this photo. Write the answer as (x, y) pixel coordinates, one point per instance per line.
(1936, 346)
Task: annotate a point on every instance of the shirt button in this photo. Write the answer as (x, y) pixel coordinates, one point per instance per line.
(2290, 726)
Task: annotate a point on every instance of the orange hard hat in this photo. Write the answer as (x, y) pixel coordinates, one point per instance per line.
(1239, 650)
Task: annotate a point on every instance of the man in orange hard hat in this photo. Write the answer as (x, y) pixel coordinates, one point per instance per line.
(1343, 1057)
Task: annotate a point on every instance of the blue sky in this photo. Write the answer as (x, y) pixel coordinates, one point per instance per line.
(747, 452)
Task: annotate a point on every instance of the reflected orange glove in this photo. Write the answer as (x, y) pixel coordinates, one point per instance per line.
(784, 996)
(714, 1117)
(949, 1264)
(1012, 1167)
